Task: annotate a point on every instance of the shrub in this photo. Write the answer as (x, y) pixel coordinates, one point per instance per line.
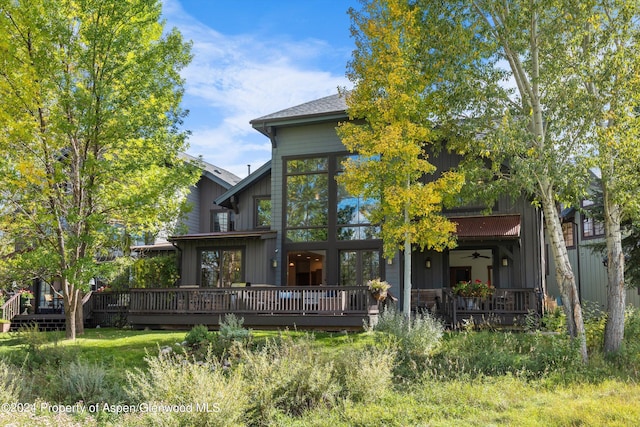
(289, 378)
(10, 383)
(231, 329)
(203, 393)
(595, 320)
(554, 320)
(476, 354)
(81, 380)
(366, 374)
(199, 335)
(416, 337)
(32, 337)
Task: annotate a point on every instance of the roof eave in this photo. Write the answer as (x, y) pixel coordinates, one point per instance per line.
(242, 185)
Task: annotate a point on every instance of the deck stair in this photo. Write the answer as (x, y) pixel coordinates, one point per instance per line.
(45, 322)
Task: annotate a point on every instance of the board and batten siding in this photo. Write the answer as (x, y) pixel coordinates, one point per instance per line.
(256, 259)
(209, 191)
(192, 221)
(589, 271)
(245, 218)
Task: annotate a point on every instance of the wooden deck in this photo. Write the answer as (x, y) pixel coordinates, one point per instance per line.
(273, 307)
(505, 307)
(317, 307)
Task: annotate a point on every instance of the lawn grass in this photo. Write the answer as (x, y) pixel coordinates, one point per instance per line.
(116, 348)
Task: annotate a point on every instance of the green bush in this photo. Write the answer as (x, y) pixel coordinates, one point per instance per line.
(84, 381)
(199, 336)
(366, 374)
(232, 329)
(528, 355)
(202, 393)
(10, 383)
(595, 320)
(416, 337)
(287, 377)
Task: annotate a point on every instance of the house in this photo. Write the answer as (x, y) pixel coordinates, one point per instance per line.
(294, 226)
(288, 246)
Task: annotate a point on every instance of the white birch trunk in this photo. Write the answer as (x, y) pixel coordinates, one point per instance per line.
(616, 295)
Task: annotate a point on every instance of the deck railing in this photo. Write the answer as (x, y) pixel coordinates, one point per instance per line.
(108, 308)
(11, 307)
(254, 300)
(504, 302)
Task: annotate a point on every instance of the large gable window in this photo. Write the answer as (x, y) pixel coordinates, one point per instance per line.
(307, 206)
(353, 214)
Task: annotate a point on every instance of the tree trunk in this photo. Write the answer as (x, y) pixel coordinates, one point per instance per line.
(406, 308)
(616, 295)
(79, 315)
(70, 307)
(566, 279)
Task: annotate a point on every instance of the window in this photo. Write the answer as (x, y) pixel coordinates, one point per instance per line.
(591, 228)
(221, 221)
(359, 266)
(307, 205)
(567, 232)
(262, 212)
(353, 214)
(220, 267)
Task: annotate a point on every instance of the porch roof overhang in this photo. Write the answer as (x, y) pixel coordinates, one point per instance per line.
(156, 247)
(267, 234)
(492, 227)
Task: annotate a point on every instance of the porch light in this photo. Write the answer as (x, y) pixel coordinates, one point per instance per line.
(505, 261)
(427, 263)
(274, 263)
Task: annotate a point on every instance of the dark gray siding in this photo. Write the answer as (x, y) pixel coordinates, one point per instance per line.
(245, 218)
(258, 253)
(209, 191)
(589, 271)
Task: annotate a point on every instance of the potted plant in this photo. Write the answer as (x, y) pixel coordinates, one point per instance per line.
(471, 292)
(378, 288)
(25, 300)
(5, 325)
(473, 289)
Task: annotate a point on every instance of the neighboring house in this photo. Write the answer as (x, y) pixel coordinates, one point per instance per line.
(295, 225)
(581, 232)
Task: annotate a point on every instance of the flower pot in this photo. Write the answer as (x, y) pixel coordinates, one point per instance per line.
(379, 295)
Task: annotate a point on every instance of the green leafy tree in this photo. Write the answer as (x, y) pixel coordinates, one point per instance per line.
(392, 134)
(89, 112)
(575, 68)
(604, 53)
(515, 140)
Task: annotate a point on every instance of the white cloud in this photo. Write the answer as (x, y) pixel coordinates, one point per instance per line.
(233, 79)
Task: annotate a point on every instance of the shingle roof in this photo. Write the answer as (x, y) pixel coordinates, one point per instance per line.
(327, 105)
(263, 170)
(215, 173)
(486, 227)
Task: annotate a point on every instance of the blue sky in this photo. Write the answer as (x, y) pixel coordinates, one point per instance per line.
(252, 58)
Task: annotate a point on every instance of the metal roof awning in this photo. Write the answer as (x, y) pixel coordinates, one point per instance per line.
(492, 227)
(225, 235)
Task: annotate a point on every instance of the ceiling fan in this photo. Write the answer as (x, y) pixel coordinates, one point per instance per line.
(477, 255)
